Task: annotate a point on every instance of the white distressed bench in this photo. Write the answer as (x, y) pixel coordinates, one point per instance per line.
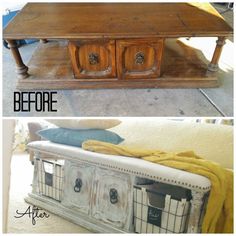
(103, 192)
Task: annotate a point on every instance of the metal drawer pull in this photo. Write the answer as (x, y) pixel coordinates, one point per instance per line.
(93, 58)
(78, 185)
(139, 58)
(113, 196)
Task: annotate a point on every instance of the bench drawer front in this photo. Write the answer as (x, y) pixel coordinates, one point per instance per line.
(139, 58)
(78, 186)
(112, 198)
(93, 58)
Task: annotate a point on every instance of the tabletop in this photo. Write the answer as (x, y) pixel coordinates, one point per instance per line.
(116, 20)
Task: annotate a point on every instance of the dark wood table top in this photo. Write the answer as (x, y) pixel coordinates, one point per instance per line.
(116, 20)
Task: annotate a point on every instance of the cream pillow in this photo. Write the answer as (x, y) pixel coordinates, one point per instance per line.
(85, 123)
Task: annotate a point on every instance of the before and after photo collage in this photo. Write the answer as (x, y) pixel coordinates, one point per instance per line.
(117, 117)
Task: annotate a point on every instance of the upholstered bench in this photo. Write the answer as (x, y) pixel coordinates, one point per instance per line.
(112, 194)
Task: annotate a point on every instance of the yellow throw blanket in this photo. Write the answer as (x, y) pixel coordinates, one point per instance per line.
(219, 211)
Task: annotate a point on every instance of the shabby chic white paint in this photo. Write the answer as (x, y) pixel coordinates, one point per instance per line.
(115, 213)
(79, 199)
(90, 205)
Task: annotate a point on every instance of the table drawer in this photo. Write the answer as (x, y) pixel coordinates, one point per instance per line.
(78, 186)
(93, 58)
(139, 58)
(112, 198)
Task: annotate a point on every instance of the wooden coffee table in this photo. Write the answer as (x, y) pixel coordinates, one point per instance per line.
(116, 45)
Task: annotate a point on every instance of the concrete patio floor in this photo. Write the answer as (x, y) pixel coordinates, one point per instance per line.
(137, 102)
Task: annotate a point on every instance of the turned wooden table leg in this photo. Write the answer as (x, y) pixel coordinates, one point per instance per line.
(43, 40)
(213, 66)
(21, 68)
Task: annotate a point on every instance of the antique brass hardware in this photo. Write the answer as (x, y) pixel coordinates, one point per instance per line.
(93, 58)
(139, 58)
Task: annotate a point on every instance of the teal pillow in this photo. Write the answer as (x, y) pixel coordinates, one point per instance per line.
(77, 137)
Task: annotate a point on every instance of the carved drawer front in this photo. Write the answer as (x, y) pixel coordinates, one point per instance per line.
(78, 186)
(139, 58)
(113, 198)
(93, 58)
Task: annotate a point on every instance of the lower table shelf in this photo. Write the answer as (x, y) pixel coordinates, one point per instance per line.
(182, 67)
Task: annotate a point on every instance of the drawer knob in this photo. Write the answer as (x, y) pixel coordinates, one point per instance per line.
(113, 196)
(78, 185)
(139, 58)
(93, 58)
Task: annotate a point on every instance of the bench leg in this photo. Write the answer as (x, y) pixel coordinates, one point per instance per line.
(195, 212)
(43, 40)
